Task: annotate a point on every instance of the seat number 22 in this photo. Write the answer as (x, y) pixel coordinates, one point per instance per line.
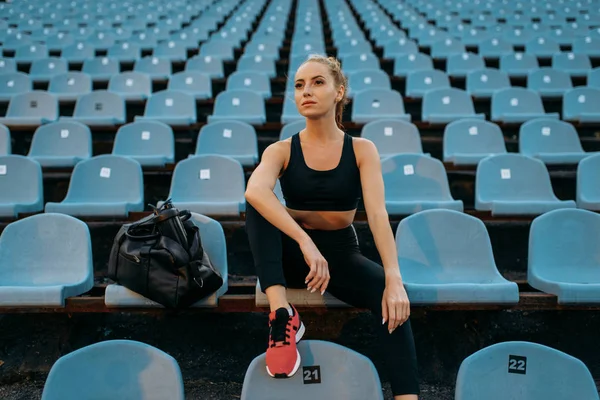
(311, 374)
(517, 365)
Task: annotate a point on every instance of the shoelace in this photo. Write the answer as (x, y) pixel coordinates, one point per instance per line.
(280, 333)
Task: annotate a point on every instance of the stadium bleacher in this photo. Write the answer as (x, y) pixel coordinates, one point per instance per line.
(485, 114)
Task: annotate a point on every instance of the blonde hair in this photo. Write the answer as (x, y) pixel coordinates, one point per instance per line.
(335, 68)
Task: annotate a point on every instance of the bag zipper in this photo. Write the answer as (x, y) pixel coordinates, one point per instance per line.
(133, 258)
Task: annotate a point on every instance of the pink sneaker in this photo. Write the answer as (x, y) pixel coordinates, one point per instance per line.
(285, 330)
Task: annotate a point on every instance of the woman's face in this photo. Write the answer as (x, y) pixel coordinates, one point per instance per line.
(315, 92)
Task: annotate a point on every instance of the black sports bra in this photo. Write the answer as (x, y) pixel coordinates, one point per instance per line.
(337, 189)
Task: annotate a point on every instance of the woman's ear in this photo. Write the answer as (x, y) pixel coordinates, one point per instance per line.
(340, 94)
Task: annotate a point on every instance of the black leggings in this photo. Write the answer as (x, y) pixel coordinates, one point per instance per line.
(355, 280)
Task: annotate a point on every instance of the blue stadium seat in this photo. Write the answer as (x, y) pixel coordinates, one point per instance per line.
(418, 83)
(542, 47)
(495, 48)
(518, 36)
(264, 47)
(518, 64)
(588, 176)
(106, 185)
(156, 68)
(241, 105)
(514, 184)
(232, 138)
(399, 46)
(468, 141)
(13, 83)
(257, 63)
(217, 49)
(372, 104)
(511, 370)
(578, 65)
(125, 52)
(353, 46)
(58, 41)
(212, 66)
(355, 377)
(145, 39)
(251, 81)
(171, 107)
(99, 108)
(392, 137)
(101, 40)
(581, 104)
(209, 184)
(115, 369)
(44, 69)
(78, 52)
(307, 47)
(21, 184)
(517, 104)
(28, 53)
(359, 62)
(588, 45)
(213, 243)
(61, 144)
(445, 105)
(485, 82)
(150, 143)
(131, 85)
(405, 63)
(446, 256)
(15, 41)
(70, 85)
(552, 141)
(593, 78)
(444, 48)
(171, 51)
(185, 39)
(59, 265)
(290, 112)
(101, 69)
(549, 82)
(367, 79)
(31, 109)
(459, 65)
(290, 129)
(416, 182)
(563, 256)
(194, 83)
(5, 141)
(7, 65)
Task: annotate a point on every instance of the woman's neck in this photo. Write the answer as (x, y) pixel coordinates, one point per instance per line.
(322, 130)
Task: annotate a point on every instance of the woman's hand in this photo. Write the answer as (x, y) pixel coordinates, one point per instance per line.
(395, 306)
(318, 277)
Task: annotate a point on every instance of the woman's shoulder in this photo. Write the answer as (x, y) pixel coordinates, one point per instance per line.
(364, 149)
(279, 149)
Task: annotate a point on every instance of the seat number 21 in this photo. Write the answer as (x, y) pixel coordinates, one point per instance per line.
(311, 374)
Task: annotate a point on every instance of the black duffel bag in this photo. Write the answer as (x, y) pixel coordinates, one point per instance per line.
(161, 257)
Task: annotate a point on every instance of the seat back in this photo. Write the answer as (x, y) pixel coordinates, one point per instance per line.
(337, 369)
(290, 129)
(472, 136)
(358, 62)
(511, 370)
(588, 176)
(5, 141)
(145, 138)
(378, 101)
(101, 67)
(570, 62)
(461, 64)
(154, 66)
(434, 242)
(210, 65)
(512, 177)
(447, 102)
(131, 83)
(547, 135)
(263, 64)
(239, 103)
(48, 67)
(170, 50)
(494, 47)
(213, 242)
(486, 81)
(100, 104)
(518, 64)
(542, 47)
(62, 138)
(405, 63)
(353, 46)
(445, 47)
(367, 79)
(208, 178)
(78, 52)
(587, 45)
(420, 82)
(399, 46)
(228, 138)
(106, 178)
(393, 137)
(36, 104)
(415, 177)
(115, 369)
(7, 65)
(71, 83)
(194, 83)
(20, 180)
(516, 100)
(13, 83)
(217, 49)
(248, 80)
(593, 78)
(544, 80)
(171, 103)
(30, 52)
(580, 100)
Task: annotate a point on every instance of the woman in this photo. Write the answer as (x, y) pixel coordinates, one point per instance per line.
(311, 242)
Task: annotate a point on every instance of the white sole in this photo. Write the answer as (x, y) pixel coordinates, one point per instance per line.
(299, 335)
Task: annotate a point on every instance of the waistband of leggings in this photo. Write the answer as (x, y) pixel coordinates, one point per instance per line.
(345, 234)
